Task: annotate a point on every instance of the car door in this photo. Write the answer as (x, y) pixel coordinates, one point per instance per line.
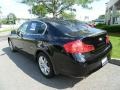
(34, 34)
(19, 36)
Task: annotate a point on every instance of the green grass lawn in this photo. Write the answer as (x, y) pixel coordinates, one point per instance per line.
(115, 40)
(8, 30)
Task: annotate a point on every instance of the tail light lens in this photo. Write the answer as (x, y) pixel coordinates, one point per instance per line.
(78, 47)
(107, 39)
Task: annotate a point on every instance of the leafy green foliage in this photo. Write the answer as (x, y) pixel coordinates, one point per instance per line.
(3, 21)
(113, 28)
(57, 7)
(68, 15)
(39, 10)
(11, 19)
(100, 26)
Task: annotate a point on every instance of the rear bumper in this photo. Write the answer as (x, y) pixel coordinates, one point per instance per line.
(82, 70)
(77, 69)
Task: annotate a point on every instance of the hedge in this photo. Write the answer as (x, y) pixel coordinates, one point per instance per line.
(112, 29)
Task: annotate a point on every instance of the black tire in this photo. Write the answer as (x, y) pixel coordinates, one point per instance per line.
(49, 64)
(12, 47)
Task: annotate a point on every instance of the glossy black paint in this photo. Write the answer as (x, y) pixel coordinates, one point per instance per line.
(52, 41)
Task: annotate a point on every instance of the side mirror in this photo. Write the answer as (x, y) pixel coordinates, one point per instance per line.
(13, 32)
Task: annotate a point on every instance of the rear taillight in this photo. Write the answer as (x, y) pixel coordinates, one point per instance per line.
(78, 47)
(107, 39)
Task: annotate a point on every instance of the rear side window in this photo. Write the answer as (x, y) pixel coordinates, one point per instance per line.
(36, 27)
(54, 31)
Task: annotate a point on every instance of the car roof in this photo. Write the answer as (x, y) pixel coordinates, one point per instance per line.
(55, 20)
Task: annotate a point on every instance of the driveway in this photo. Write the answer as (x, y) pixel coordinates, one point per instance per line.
(20, 72)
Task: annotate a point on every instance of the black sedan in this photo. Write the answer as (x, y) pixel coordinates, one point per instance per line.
(67, 47)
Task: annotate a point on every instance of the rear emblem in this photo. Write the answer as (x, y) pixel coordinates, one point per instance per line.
(100, 39)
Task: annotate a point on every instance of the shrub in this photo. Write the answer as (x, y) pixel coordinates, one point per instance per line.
(100, 25)
(3, 21)
(112, 29)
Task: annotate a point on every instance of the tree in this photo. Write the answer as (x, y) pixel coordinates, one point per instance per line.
(39, 10)
(11, 18)
(65, 15)
(57, 7)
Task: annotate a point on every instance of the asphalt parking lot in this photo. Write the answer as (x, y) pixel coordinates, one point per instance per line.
(19, 72)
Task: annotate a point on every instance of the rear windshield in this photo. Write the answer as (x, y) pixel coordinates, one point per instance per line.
(72, 28)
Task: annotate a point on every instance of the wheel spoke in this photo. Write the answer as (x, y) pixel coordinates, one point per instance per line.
(43, 63)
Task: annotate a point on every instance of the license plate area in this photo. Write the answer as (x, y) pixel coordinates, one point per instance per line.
(104, 61)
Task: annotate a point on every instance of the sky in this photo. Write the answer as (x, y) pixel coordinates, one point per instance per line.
(13, 6)
(21, 10)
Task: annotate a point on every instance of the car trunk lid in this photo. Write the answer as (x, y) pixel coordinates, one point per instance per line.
(98, 40)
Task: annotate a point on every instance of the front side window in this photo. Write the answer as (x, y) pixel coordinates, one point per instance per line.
(36, 27)
(23, 28)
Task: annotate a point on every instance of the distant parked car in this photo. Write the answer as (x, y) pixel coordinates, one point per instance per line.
(99, 21)
(66, 47)
(91, 25)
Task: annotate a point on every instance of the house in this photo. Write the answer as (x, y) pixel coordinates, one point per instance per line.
(113, 12)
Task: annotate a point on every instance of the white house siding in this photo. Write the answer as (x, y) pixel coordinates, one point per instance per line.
(111, 3)
(113, 12)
